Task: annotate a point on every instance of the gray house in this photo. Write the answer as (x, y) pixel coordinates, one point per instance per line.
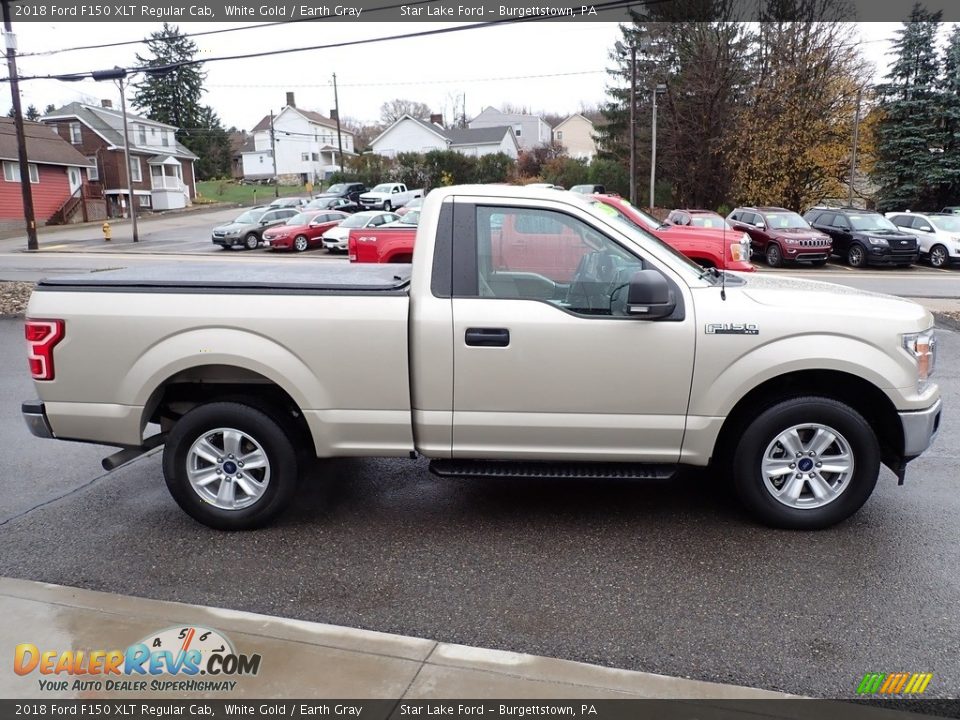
(531, 130)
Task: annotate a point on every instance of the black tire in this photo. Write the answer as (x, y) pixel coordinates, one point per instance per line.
(300, 243)
(267, 431)
(939, 256)
(761, 434)
(387, 206)
(251, 241)
(857, 255)
(774, 256)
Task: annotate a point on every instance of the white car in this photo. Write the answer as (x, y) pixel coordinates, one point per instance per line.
(938, 235)
(336, 238)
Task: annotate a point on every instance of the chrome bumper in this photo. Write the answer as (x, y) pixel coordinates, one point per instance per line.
(919, 429)
(35, 416)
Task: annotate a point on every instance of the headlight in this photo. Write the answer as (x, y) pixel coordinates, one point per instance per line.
(740, 251)
(877, 241)
(922, 347)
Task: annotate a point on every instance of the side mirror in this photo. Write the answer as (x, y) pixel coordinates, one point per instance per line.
(760, 224)
(649, 296)
(926, 228)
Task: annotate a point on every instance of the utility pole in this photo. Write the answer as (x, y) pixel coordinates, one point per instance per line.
(653, 152)
(126, 154)
(273, 151)
(853, 153)
(25, 189)
(336, 104)
(633, 124)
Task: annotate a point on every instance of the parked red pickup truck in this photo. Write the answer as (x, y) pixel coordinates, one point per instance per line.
(395, 244)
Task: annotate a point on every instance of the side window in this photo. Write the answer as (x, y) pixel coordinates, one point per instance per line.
(824, 218)
(532, 254)
(839, 221)
(922, 224)
(735, 216)
(901, 220)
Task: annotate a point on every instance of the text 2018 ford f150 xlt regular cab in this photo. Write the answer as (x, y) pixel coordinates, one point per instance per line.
(613, 356)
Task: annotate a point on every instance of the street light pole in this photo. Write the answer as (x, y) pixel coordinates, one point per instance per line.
(126, 155)
(853, 153)
(25, 189)
(653, 150)
(633, 124)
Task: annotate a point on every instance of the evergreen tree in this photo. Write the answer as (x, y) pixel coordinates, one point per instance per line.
(32, 113)
(173, 96)
(211, 143)
(49, 109)
(950, 188)
(910, 139)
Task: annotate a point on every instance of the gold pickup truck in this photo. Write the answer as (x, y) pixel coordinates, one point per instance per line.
(591, 350)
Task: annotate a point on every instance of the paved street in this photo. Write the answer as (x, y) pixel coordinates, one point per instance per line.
(669, 579)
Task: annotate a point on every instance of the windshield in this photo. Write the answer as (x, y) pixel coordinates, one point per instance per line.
(786, 221)
(356, 221)
(870, 222)
(300, 219)
(337, 189)
(249, 217)
(384, 188)
(714, 222)
(633, 226)
(950, 224)
(411, 218)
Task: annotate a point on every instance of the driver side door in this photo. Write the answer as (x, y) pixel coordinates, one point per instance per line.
(547, 363)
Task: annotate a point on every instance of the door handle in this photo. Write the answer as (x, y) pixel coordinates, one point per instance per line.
(487, 337)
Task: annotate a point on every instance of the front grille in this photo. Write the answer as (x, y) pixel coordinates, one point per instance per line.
(219, 233)
(813, 243)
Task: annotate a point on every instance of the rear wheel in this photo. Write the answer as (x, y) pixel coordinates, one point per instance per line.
(939, 256)
(806, 463)
(230, 466)
(774, 256)
(856, 256)
(300, 243)
(251, 241)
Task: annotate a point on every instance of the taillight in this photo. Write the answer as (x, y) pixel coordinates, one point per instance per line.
(352, 248)
(42, 336)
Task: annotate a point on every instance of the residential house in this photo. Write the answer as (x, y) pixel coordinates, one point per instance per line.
(575, 134)
(161, 169)
(409, 134)
(56, 169)
(531, 130)
(306, 146)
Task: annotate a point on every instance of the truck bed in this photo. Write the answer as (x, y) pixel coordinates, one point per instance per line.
(307, 277)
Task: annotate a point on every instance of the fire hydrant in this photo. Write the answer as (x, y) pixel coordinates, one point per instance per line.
(106, 231)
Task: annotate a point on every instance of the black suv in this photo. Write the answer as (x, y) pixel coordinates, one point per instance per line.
(864, 237)
(348, 191)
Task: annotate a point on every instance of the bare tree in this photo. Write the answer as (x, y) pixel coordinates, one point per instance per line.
(393, 110)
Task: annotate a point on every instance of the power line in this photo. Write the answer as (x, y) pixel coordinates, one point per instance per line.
(141, 41)
(162, 69)
(413, 82)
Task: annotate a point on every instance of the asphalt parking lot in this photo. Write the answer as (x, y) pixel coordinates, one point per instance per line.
(669, 578)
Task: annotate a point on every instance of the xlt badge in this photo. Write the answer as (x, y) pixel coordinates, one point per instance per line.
(732, 329)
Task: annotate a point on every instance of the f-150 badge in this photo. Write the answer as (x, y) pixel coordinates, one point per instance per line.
(732, 329)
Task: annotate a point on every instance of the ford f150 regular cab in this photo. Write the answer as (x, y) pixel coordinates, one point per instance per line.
(617, 357)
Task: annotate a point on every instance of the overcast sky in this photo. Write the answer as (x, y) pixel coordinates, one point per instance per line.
(490, 66)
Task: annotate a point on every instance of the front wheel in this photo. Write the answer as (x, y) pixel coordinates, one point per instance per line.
(856, 256)
(939, 256)
(774, 256)
(230, 466)
(806, 463)
(300, 243)
(387, 207)
(251, 241)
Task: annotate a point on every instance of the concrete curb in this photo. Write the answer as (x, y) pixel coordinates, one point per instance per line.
(307, 659)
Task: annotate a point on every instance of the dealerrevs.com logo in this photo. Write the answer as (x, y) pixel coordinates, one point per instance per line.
(173, 659)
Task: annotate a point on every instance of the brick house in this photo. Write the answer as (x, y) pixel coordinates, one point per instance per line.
(161, 168)
(58, 175)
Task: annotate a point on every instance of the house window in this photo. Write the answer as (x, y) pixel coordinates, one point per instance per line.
(144, 200)
(305, 157)
(142, 134)
(135, 175)
(11, 172)
(316, 157)
(165, 140)
(75, 137)
(153, 132)
(93, 172)
(559, 134)
(518, 130)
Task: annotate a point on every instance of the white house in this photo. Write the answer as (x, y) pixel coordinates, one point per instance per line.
(576, 135)
(531, 130)
(306, 146)
(411, 135)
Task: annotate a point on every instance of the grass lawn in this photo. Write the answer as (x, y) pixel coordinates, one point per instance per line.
(219, 191)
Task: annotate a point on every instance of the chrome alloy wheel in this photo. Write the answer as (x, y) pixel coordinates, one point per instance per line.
(228, 469)
(807, 466)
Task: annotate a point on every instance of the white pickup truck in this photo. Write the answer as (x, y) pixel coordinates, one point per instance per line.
(388, 196)
(571, 346)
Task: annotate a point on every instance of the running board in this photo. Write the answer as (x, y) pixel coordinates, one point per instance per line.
(551, 470)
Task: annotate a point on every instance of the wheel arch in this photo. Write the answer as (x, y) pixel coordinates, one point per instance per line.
(860, 394)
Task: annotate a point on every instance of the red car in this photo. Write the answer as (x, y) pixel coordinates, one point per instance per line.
(719, 248)
(303, 230)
